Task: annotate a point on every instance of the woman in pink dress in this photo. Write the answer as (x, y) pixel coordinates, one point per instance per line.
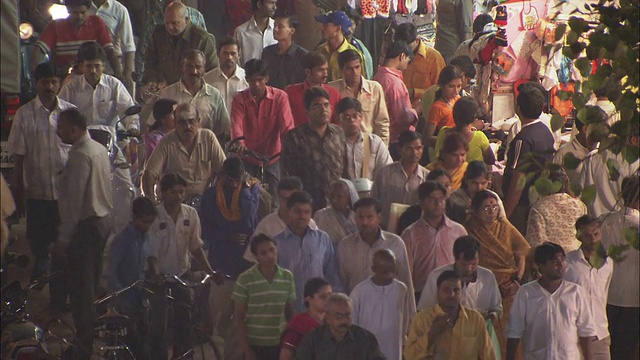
(165, 123)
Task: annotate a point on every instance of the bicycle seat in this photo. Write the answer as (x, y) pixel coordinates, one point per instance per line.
(112, 318)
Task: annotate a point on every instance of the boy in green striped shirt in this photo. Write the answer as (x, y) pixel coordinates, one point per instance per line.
(263, 299)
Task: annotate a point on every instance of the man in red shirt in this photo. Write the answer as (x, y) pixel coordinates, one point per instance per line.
(62, 38)
(262, 115)
(316, 68)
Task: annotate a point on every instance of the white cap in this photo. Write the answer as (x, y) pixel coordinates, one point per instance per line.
(362, 184)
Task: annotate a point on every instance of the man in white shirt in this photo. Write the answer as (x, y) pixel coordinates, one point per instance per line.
(116, 18)
(229, 77)
(361, 161)
(257, 33)
(593, 274)
(580, 147)
(623, 304)
(480, 290)
(192, 89)
(551, 316)
(41, 155)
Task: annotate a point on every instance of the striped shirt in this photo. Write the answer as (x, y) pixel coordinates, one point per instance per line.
(354, 258)
(265, 302)
(63, 38)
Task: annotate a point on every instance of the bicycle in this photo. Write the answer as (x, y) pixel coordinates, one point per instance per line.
(263, 159)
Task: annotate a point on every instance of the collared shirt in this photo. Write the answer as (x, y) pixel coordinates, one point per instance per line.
(595, 283)
(223, 254)
(163, 54)
(171, 243)
(430, 248)
(392, 185)
(252, 40)
(332, 57)
(285, 69)
(116, 18)
(197, 168)
(228, 86)
(102, 105)
(579, 151)
(207, 100)
(374, 106)
(553, 218)
(354, 258)
(378, 156)
(295, 93)
(335, 223)
(624, 290)
(459, 206)
(455, 25)
(386, 311)
(127, 262)
(595, 172)
(357, 344)
(84, 185)
(424, 70)
(318, 162)
(481, 295)
(402, 115)
(263, 124)
(549, 325)
(468, 339)
(33, 135)
(63, 38)
(308, 257)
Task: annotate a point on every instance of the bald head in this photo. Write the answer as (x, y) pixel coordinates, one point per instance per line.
(175, 18)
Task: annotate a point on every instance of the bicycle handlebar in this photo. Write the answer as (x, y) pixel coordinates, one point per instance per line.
(117, 293)
(188, 284)
(262, 158)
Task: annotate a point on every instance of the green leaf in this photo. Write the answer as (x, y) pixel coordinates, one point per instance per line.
(582, 115)
(596, 132)
(544, 186)
(588, 194)
(570, 161)
(576, 188)
(586, 88)
(578, 101)
(564, 95)
(598, 259)
(604, 71)
(593, 51)
(522, 181)
(614, 169)
(557, 122)
(584, 65)
(621, 128)
(572, 37)
(595, 81)
(630, 153)
(632, 236)
(616, 252)
(560, 30)
(578, 25)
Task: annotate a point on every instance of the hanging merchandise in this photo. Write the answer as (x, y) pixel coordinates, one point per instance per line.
(563, 107)
(528, 16)
(374, 8)
(501, 16)
(502, 63)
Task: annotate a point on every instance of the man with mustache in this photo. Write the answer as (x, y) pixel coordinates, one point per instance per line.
(189, 151)
(192, 89)
(229, 78)
(40, 154)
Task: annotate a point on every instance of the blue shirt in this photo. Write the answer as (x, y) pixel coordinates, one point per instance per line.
(224, 255)
(127, 261)
(308, 257)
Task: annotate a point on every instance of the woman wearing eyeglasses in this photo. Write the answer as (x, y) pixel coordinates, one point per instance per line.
(504, 251)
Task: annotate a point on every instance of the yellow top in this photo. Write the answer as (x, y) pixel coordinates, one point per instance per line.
(332, 58)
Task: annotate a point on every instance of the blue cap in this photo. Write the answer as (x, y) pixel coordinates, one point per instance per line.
(337, 18)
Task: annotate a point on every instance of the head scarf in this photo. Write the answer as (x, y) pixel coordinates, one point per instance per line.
(352, 191)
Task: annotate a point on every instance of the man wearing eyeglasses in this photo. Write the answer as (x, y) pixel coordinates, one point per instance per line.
(189, 151)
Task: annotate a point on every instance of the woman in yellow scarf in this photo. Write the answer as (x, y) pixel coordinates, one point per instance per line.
(452, 158)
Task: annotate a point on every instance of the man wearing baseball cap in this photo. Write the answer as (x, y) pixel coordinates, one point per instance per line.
(335, 25)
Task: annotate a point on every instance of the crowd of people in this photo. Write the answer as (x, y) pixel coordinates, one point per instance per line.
(379, 224)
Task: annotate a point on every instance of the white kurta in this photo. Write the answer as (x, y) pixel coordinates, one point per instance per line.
(386, 311)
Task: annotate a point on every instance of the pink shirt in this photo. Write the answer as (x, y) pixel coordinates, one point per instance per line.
(263, 125)
(429, 248)
(296, 95)
(401, 114)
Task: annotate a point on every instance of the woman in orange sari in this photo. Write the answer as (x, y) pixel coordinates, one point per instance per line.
(441, 111)
(452, 159)
(504, 251)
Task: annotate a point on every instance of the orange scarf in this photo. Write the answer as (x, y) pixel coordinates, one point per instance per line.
(233, 213)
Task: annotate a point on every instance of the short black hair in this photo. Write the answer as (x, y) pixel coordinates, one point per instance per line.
(46, 69)
(465, 64)
(193, 54)
(448, 275)
(254, 4)
(611, 85)
(226, 41)
(586, 220)
(407, 32)
(313, 59)
(74, 117)
(396, 49)
(259, 239)
(384, 255)
(312, 287)
(256, 67)
(428, 187)
(530, 100)
(292, 19)
(162, 108)
(464, 111)
(348, 55)
(475, 169)
(91, 53)
(299, 197)
(630, 189)
(143, 206)
(84, 48)
(170, 180)
(453, 141)
(74, 3)
(289, 183)
(547, 251)
(436, 173)
(448, 74)
(233, 167)
(466, 247)
(366, 202)
(348, 103)
(480, 21)
(480, 197)
(312, 93)
(408, 136)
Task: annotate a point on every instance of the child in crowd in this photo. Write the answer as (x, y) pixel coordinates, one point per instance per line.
(263, 299)
(383, 305)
